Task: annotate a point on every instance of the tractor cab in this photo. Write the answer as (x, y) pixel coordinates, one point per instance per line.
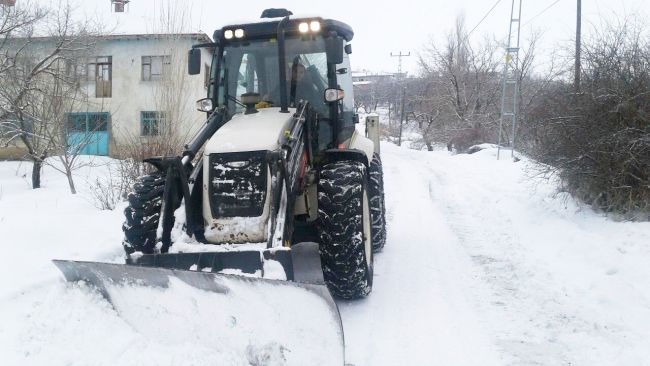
(282, 64)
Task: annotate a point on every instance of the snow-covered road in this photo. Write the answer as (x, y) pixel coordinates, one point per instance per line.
(419, 312)
(483, 266)
(486, 265)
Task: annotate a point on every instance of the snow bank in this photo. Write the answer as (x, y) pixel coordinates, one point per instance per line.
(46, 321)
(485, 264)
(563, 284)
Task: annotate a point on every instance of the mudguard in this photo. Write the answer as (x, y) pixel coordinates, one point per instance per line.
(333, 155)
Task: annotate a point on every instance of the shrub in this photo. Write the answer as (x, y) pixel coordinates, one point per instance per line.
(599, 137)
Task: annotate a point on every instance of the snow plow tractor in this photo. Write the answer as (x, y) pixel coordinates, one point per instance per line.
(278, 190)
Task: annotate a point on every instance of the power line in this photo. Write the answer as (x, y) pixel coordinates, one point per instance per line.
(482, 19)
(536, 15)
(541, 12)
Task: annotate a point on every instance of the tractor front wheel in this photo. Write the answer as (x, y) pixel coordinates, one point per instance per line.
(143, 214)
(344, 229)
(377, 203)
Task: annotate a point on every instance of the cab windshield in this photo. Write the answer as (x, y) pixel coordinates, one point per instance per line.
(251, 66)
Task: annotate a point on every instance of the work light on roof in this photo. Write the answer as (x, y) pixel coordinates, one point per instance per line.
(303, 27)
(314, 26)
(228, 34)
(239, 33)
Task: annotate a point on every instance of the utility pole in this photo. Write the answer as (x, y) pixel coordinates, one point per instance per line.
(400, 78)
(401, 119)
(399, 61)
(510, 93)
(576, 80)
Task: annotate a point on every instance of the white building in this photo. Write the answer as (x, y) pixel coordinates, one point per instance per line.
(133, 89)
(366, 77)
(137, 85)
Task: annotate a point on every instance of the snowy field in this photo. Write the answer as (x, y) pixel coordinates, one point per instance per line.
(483, 266)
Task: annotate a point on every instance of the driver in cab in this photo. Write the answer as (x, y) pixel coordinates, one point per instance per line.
(299, 87)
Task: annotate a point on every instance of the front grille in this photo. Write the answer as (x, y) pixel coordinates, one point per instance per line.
(237, 184)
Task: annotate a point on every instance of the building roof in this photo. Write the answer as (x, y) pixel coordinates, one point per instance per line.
(128, 37)
(197, 36)
(358, 74)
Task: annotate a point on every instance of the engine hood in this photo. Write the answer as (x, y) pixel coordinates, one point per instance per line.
(250, 132)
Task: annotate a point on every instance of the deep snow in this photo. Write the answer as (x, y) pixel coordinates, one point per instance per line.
(483, 266)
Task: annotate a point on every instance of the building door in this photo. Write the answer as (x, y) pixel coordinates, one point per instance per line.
(88, 133)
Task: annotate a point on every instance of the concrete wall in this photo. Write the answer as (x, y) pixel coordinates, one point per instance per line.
(131, 95)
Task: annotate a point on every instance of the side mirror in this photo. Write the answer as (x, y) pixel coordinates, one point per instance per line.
(334, 95)
(334, 49)
(194, 61)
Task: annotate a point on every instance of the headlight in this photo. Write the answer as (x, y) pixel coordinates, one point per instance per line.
(239, 33)
(303, 27)
(227, 34)
(333, 95)
(204, 105)
(314, 26)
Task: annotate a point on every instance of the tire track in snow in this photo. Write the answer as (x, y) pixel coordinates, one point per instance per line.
(504, 270)
(419, 312)
(537, 316)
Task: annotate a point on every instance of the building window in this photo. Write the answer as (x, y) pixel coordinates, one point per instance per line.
(87, 133)
(151, 122)
(154, 67)
(88, 122)
(100, 70)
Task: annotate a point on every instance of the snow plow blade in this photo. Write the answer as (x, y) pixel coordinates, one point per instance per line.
(283, 322)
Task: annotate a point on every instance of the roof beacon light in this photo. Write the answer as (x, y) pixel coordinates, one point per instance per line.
(303, 27)
(239, 33)
(227, 34)
(314, 26)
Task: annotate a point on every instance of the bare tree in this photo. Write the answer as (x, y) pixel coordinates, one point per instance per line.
(459, 101)
(38, 86)
(17, 75)
(461, 84)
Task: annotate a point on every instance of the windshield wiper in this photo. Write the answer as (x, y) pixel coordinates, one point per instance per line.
(225, 91)
(234, 99)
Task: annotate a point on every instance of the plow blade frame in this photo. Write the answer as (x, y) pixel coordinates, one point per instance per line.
(303, 262)
(249, 261)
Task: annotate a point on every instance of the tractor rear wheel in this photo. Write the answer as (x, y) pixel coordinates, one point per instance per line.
(344, 229)
(377, 204)
(143, 214)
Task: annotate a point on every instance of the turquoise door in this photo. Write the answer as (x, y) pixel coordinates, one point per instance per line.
(88, 133)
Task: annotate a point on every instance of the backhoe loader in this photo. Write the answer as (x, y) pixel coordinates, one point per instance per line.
(278, 191)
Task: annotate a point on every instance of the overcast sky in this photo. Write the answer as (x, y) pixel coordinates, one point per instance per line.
(380, 27)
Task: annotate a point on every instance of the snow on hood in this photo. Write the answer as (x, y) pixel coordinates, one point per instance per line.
(250, 132)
